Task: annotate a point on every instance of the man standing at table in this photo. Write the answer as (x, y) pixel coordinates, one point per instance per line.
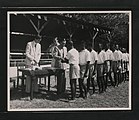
(74, 70)
(33, 55)
(84, 61)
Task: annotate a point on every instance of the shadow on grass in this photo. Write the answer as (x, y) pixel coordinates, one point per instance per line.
(18, 94)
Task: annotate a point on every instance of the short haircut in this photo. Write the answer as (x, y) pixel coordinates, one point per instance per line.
(89, 45)
(38, 37)
(83, 42)
(108, 43)
(55, 38)
(100, 43)
(70, 43)
(62, 40)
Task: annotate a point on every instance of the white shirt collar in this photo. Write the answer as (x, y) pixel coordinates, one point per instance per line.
(34, 43)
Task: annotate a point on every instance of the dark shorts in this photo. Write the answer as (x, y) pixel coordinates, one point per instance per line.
(114, 67)
(91, 71)
(100, 70)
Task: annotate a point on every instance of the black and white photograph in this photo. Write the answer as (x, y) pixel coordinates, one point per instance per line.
(69, 60)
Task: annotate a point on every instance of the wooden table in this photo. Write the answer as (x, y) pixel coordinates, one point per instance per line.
(46, 71)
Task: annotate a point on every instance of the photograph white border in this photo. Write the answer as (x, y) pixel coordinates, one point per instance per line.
(68, 109)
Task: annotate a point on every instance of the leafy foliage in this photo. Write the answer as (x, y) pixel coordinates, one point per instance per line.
(119, 22)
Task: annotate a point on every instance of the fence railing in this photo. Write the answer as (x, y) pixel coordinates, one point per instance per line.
(16, 58)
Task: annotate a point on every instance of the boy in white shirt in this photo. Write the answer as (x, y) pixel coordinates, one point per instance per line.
(116, 64)
(93, 67)
(124, 62)
(127, 65)
(120, 71)
(119, 64)
(74, 70)
(101, 68)
(84, 61)
(109, 61)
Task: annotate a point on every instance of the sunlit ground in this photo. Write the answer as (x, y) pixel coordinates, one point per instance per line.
(114, 97)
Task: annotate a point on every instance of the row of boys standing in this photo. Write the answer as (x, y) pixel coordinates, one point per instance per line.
(84, 65)
(87, 64)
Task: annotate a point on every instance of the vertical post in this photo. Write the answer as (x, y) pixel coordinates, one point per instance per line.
(93, 40)
(22, 87)
(93, 36)
(45, 81)
(31, 86)
(49, 82)
(69, 31)
(38, 27)
(70, 36)
(38, 24)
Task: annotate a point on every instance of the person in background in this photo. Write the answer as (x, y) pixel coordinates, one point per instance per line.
(127, 64)
(105, 70)
(51, 50)
(124, 62)
(121, 57)
(109, 62)
(59, 54)
(74, 70)
(33, 55)
(63, 50)
(119, 64)
(93, 67)
(101, 68)
(116, 62)
(84, 61)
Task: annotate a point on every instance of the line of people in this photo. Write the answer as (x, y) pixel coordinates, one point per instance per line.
(86, 65)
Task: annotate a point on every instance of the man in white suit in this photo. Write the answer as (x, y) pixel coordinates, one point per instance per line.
(33, 55)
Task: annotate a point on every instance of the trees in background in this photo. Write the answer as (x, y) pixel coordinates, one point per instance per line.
(119, 22)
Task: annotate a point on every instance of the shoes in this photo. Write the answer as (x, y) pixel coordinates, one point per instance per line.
(84, 96)
(87, 95)
(100, 91)
(81, 95)
(71, 100)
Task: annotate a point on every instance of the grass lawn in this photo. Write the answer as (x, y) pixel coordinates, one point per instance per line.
(114, 97)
